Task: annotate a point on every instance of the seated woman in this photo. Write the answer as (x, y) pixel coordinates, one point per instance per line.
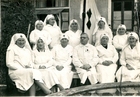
(20, 66)
(43, 61)
(100, 28)
(39, 32)
(62, 56)
(130, 60)
(74, 33)
(108, 57)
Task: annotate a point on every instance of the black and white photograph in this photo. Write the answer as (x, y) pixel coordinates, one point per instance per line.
(69, 48)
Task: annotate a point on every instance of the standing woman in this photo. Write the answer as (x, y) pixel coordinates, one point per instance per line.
(120, 39)
(74, 33)
(19, 63)
(101, 27)
(39, 32)
(43, 61)
(52, 28)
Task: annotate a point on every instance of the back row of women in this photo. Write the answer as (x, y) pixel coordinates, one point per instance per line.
(49, 62)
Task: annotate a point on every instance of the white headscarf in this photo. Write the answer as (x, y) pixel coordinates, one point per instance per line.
(102, 35)
(96, 26)
(74, 20)
(14, 39)
(135, 35)
(64, 36)
(49, 16)
(44, 40)
(120, 26)
(38, 21)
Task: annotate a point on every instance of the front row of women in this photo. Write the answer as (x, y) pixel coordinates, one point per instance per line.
(44, 68)
(27, 71)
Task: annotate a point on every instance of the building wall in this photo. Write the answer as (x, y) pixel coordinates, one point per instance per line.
(102, 6)
(75, 11)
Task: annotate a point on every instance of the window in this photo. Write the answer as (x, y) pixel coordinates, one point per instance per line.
(59, 8)
(122, 13)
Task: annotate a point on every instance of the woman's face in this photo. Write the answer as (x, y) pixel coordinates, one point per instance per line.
(104, 40)
(74, 26)
(39, 26)
(20, 42)
(132, 41)
(121, 31)
(51, 21)
(101, 24)
(40, 44)
(64, 42)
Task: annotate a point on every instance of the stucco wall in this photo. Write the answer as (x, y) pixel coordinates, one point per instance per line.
(75, 10)
(102, 6)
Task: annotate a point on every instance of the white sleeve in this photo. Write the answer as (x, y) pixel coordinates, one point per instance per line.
(115, 57)
(115, 43)
(32, 37)
(95, 58)
(122, 58)
(76, 60)
(10, 63)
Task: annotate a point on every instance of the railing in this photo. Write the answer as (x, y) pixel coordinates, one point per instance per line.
(95, 87)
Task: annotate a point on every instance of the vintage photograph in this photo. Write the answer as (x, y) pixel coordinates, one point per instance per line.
(70, 48)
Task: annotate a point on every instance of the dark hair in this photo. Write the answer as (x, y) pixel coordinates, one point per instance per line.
(85, 34)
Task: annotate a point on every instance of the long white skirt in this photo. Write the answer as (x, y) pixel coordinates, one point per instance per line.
(123, 74)
(106, 74)
(24, 78)
(49, 77)
(84, 74)
(65, 77)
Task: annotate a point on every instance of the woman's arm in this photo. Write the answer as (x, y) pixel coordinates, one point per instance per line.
(10, 62)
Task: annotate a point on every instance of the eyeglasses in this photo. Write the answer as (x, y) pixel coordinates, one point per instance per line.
(83, 37)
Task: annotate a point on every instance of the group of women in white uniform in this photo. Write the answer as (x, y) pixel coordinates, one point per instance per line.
(48, 63)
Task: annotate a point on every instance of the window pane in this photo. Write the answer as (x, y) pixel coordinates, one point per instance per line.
(65, 26)
(61, 3)
(128, 24)
(65, 16)
(127, 14)
(127, 5)
(116, 24)
(52, 3)
(117, 15)
(40, 3)
(117, 6)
